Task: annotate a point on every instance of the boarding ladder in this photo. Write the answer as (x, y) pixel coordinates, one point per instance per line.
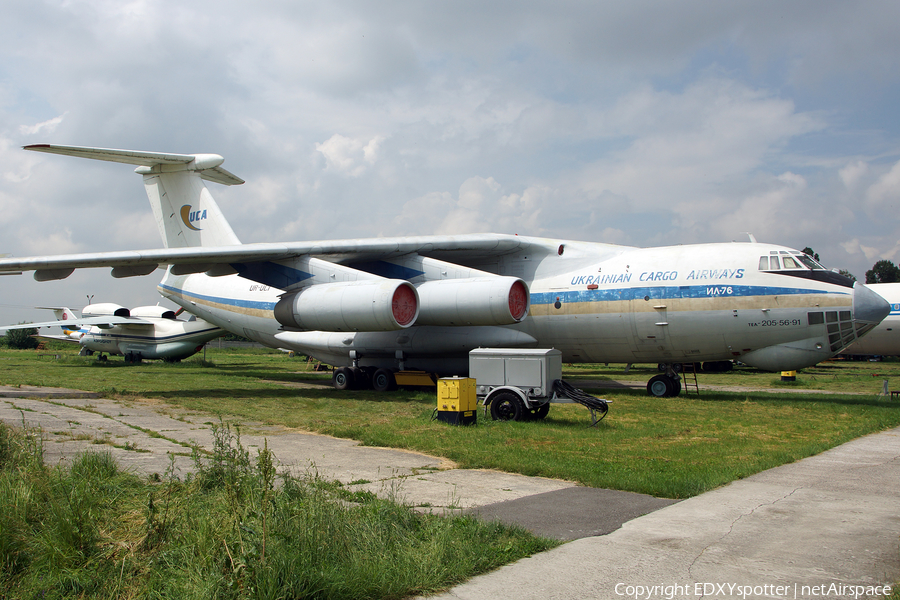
(689, 377)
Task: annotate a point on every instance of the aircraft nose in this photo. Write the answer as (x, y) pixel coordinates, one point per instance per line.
(868, 307)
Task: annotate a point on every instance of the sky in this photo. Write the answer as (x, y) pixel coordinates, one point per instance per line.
(633, 122)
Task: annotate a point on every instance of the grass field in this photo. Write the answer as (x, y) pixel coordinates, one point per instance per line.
(90, 530)
(674, 448)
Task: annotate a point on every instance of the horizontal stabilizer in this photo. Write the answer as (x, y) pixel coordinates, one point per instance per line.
(206, 164)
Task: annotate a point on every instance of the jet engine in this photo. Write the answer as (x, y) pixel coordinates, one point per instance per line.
(366, 305)
(153, 312)
(473, 301)
(105, 309)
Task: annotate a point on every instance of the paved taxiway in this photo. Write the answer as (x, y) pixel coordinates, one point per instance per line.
(828, 520)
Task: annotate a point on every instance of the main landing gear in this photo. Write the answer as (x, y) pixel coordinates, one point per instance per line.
(665, 385)
(361, 378)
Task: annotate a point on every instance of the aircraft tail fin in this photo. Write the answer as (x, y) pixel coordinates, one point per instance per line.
(185, 211)
(62, 313)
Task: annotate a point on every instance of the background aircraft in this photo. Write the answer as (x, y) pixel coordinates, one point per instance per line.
(146, 332)
(376, 305)
(883, 340)
(66, 319)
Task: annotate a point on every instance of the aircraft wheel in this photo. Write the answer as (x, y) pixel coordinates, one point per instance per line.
(661, 386)
(129, 357)
(506, 406)
(383, 380)
(342, 379)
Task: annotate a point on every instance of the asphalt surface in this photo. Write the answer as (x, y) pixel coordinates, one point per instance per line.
(824, 527)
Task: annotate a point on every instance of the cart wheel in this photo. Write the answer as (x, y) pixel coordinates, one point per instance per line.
(506, 406)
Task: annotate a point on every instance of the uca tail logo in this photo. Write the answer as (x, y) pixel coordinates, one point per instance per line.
(190, 217)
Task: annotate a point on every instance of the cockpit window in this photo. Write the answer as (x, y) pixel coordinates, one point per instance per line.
(807, 260)
(782, 259)
(790, 263)
(798, 264)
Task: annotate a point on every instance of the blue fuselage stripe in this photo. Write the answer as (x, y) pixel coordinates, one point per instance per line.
(254, 304)
(666, 292)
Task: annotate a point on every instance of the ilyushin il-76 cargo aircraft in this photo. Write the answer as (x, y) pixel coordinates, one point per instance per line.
(373, 306)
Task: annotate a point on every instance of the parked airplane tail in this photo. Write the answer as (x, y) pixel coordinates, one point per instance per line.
(183, 207)
(62, 313)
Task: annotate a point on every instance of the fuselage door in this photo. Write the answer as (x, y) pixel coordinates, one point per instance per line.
(650, 322)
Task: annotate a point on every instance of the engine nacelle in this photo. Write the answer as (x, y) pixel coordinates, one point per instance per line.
(366, 305)
(153, 312)
(473, 301)
(105, 309)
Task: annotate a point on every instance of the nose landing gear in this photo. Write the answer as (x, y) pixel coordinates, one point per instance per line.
(665, 385)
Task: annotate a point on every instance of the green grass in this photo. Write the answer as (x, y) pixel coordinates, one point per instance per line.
(672, 448)
(93, 531)
(832, 376)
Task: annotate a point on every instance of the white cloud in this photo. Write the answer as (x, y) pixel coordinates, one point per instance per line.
(349, 156)
(635, 122)
(853, 173)
(883, 197)
(480, 206)
(47, 127)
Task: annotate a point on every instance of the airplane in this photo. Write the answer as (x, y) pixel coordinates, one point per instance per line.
(66, 319)
(883, 340)
(145, 332)
(374, 306)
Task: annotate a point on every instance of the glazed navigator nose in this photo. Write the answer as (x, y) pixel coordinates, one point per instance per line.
(869, 309)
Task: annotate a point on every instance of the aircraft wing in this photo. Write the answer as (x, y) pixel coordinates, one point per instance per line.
(107, 321)
(57, 338)
(207, 258)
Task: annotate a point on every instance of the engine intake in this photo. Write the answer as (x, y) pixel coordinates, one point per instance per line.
(367, 305)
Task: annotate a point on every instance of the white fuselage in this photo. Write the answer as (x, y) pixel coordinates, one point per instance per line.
(166, 339)
(594, 302)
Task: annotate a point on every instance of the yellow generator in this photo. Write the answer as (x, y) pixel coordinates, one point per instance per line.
(457, 402)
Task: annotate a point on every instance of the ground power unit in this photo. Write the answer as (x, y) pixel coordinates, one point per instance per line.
(457, 402)
(519, 384)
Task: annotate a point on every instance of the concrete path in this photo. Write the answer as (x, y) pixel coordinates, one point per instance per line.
(824, 527)
(152, 437)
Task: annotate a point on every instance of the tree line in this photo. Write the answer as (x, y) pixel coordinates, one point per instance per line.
(883, 271)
